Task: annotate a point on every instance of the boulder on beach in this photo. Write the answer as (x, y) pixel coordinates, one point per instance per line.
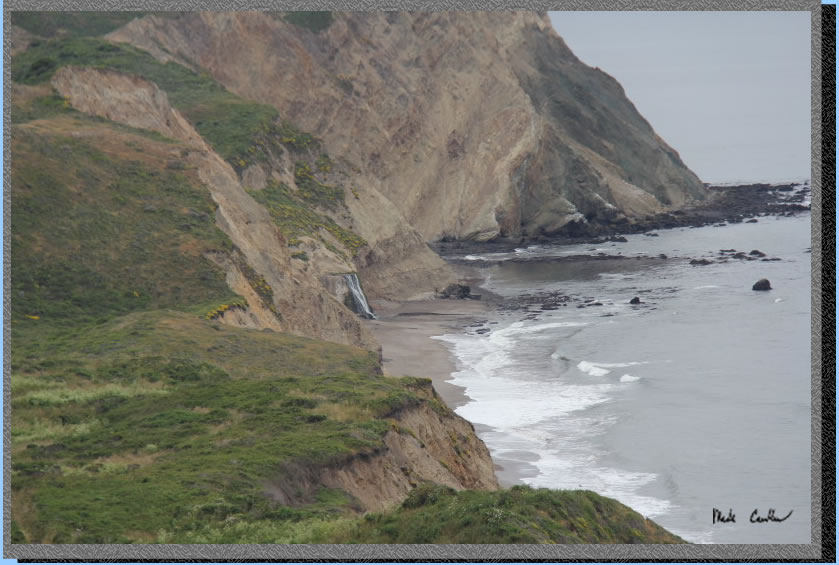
(762, 284)
(455, 290)
(635, 300)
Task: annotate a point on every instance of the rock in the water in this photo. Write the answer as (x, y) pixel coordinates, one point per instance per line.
(635, 300)
(752, 221)
(700, 262)
(757, 253)
(762, 284)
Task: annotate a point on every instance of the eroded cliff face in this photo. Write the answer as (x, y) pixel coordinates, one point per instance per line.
(470, 125)
(281, 294)
(429, 442)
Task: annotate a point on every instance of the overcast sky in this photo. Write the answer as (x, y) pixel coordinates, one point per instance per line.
(730, 91)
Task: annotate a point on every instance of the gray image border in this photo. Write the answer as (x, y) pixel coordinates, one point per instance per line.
(716, 552)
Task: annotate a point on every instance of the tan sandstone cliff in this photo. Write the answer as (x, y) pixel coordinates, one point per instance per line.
(472, 125)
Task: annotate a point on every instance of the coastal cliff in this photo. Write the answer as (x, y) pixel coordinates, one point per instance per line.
(185, 190)
(475, 125)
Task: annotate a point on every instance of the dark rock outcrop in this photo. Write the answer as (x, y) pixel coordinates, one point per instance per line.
(762, 284)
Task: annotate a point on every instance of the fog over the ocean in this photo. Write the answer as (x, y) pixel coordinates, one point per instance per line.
(730, 91)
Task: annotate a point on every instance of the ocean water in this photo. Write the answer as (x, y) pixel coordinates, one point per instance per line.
(695, 400)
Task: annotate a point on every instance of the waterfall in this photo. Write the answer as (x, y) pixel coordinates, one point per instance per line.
(358, 299)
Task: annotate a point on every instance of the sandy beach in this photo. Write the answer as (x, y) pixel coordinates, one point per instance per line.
(407, 350)
(404, 332)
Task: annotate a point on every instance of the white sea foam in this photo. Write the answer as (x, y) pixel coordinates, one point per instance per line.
(569, 470)
(706, 286)
(694, 537)
(505, 396)
(616, 365)
(602, 369)
(592, 369)
(629, 379)
(473, 258)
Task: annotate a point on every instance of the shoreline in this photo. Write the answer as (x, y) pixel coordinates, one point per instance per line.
(404, 331)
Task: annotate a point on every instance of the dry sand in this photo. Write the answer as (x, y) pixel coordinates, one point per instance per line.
(404, 332)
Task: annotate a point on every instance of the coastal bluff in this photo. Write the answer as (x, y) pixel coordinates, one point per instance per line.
(188, 187)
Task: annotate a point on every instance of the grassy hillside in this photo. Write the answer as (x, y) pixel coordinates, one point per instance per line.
(132, 414)
(161, 421)
(107, 223)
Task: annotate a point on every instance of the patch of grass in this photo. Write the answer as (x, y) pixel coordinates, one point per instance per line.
(313, 192)
(40, 108)
(292, 211)
(73, 24)
(437, 514)
(296, 139)
(315, 22)
(98, 232)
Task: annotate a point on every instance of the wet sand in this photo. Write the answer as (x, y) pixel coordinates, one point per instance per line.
(404, 332)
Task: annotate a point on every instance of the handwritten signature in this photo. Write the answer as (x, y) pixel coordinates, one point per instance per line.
(754, 517)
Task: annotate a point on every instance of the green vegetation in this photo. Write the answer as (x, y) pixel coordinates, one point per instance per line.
(40, 107)
(239, 130)
(292, 211)
(163, 422)
(315, 22)
(99, 231)
(438, 514)
(219, 311)
(74, 24)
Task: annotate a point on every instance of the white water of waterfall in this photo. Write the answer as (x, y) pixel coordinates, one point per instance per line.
(359, 300)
